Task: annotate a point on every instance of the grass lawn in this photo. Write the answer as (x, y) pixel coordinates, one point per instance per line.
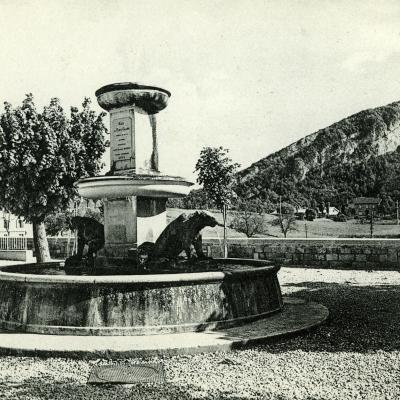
(321, 227)
(324, 227)
(355, 355)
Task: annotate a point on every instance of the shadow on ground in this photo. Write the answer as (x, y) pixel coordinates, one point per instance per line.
(362, 318)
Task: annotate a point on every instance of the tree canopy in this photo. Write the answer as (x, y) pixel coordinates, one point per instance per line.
(249, 218)
(42, 155)
(216, 172)
(286, 218)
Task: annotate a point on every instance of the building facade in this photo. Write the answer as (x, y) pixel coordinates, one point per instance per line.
(12, 226)
(365, 206)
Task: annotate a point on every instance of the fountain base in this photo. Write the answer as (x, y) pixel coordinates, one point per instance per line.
(235, 292)
(297, 316)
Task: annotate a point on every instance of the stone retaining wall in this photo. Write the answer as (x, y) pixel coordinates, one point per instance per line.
(318, 253)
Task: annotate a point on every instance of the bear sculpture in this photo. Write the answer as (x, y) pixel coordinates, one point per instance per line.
(89, 232)
(182, 234)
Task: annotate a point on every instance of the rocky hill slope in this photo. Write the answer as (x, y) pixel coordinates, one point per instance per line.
(357, 156)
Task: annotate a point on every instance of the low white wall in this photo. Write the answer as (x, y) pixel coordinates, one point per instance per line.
(17, 255)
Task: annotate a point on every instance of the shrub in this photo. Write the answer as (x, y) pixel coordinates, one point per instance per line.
(340, 218)
(310, 214)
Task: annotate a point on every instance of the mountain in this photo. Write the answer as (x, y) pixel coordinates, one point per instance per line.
(357, 156)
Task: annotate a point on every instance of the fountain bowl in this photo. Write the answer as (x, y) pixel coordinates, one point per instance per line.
(40, 298)
(138, 185)
(144, 99)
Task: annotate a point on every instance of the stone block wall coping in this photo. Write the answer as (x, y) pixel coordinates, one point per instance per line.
(302, 240)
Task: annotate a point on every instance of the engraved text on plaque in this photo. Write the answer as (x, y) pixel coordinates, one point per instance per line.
(121, 142)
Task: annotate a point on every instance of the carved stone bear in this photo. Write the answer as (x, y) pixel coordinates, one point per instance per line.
(91, 233)
(180, 235)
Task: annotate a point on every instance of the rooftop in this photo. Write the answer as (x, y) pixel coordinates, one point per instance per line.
(366, 200)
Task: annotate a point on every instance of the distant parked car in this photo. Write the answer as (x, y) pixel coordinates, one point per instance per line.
(340, 218)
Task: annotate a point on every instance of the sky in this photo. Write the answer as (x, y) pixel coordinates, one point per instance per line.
(251, 76)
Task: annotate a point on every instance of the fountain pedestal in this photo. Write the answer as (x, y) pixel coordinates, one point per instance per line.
(134, 192)
(120, 228)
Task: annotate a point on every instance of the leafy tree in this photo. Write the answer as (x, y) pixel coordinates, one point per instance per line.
(311, 214)
(196, 199)
(286, 218)
(216, 172)
(254, 205)
(249, 218)
(42, 155)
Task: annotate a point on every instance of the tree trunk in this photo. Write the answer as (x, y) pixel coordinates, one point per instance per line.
(372, 224)
(225, 239)
(40, 241)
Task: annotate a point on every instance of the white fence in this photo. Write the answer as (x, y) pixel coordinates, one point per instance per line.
(13, 243)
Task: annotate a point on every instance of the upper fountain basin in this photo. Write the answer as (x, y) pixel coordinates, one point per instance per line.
(101, 187)
(144, 99)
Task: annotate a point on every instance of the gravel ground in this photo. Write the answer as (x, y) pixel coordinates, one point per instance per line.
(355, 355)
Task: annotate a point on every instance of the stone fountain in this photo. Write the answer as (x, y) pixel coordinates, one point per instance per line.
(135, 192)
(41, 298)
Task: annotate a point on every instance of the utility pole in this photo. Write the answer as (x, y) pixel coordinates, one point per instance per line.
(372, 223)
(224, 214)
(397, 211)
(280, 216)
(75, 244)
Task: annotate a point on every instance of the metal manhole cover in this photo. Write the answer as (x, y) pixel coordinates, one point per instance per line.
(140, 373)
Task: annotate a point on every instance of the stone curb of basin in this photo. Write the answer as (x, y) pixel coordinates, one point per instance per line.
(297, 316)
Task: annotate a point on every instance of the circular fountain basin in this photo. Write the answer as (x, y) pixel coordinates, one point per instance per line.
(40, 298)
(139, 185)
(144, 99)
